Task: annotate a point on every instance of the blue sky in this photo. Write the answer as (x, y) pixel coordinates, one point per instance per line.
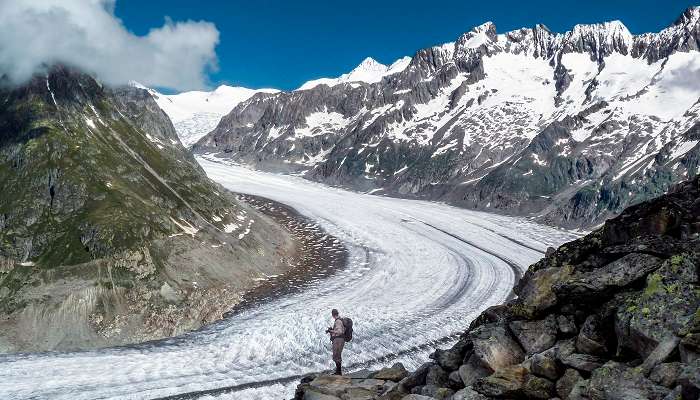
(281, 44)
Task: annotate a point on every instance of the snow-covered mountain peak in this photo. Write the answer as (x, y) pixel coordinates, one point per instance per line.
(196, 113)
(368, 71)
(690, 17)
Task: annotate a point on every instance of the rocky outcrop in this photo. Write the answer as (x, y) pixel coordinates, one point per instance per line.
(612, 315)
(570, 128)
(110, 232)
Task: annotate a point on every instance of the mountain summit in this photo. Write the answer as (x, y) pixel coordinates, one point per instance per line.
(565, 127)
(369, 71)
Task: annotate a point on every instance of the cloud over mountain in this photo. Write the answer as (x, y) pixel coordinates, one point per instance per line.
(87, 34)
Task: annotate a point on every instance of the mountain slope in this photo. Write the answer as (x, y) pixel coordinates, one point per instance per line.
(197, 113)
(110, 232)
(568, 127)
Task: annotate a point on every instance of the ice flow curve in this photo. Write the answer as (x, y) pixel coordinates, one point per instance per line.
(417, 272)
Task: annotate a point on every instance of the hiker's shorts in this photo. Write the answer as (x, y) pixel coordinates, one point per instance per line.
(338, 344)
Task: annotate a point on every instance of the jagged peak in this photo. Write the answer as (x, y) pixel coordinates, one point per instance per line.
(691, 16)
(615, 27)
(486, 27)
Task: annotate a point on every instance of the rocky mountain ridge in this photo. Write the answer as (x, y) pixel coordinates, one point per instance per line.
(110, 232)
(612, 315)
(569, 128)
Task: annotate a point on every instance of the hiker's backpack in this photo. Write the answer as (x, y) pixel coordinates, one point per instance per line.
(347, 325)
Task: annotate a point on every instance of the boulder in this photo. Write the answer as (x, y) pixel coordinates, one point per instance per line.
(494, 347)
(593, 336)
(468, 394)
(567, 382)
(617, 381)
(505, 382)
(358, 393)
(396, 373)
(312, 394)
(472, 370)
(440, 393)
(544, 365)
(664, 349)
(689, 380)
(449, 360)
(566, 353)
(566, 325)
(538, 388)
(666, 374)
(437, 376)
(455, 381)
(535, 293)
(580, 390)
(690, 348)
(514, 381)
(535, 336)
(333, 385)
(416, 397)
(603, 281)
(663, 309)
(416, 378)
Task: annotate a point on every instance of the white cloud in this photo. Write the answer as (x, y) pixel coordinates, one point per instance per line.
(86, 34)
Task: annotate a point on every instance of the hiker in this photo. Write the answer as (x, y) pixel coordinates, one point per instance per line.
(337, 333)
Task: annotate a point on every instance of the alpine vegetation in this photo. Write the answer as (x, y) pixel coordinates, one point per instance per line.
(110, 233)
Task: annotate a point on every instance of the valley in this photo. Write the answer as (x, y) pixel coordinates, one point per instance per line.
(415, 272)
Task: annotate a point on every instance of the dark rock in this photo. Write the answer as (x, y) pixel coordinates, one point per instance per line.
(450, 360)
(535, 293)
(607, 279)
(689, 348)
(666, 374)
(579, 391)
(468, 394)
(417, 377)
(506, 382)
(544, 365)
(435, 392)
(396, 373)
(660, 311)
(514, 381)
(582, 362)
(538, 388)
(689, 380)
(417, 397)
(660, 353)
(593, 336)
(494, 347)
(567, 382)
(535, 336)
(455, 381)
(437, 376)
(616, 381)
(566, 325)
(472, 370)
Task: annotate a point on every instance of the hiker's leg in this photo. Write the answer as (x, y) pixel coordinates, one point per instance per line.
(338, 368)
(337, 354)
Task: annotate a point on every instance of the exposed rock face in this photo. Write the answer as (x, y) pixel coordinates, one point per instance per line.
(570, 128)
(613, 315)
(110, 232)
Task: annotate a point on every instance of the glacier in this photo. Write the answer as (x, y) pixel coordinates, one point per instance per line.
(418, 272)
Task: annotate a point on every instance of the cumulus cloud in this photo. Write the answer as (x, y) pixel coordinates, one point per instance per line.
(86, 34)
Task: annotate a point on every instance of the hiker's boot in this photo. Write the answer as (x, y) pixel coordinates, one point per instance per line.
(338, 369)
